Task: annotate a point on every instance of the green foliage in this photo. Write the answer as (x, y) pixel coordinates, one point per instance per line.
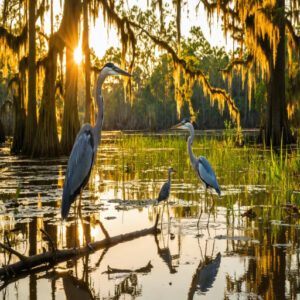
(154, 105)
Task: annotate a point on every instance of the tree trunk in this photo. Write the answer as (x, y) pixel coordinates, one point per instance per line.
(246, 102)
(2, 134)
(71, 124)
(277, 125)
(46, 143)
(87, 65)
(31, 119)
(20, 117)
(19, 127)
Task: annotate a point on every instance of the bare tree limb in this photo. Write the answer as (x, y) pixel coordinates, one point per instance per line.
(22, 257)
(146, 269)
(49, 258)
(49, 239)
(105, 232)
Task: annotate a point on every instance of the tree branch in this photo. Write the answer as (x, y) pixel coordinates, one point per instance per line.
(213, 91)
(146, 269)
(238, 62)
(49, 239)
(211, 6)
(105, 232)
(14, 42)
(22, 257)
(50, 258)
(294, 36)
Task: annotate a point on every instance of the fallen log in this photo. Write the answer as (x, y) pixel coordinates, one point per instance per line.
(146, 269)
(27, 264)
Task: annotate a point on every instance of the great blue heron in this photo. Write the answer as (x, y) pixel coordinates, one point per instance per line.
(201, 165)
(84, 151)
(166, 187)
(165, 191)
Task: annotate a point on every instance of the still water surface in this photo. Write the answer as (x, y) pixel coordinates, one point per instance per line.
(234, 258)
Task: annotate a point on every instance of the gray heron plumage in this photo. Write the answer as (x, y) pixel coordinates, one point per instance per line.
(166, 187)
(201, 165)
(83, 154)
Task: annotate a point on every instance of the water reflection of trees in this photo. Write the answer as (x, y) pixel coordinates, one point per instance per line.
(270, 264)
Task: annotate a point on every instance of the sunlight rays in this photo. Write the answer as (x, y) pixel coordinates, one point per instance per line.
(78, 56)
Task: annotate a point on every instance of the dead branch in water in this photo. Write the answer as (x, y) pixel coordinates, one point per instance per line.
(28, 264)
(146, 269)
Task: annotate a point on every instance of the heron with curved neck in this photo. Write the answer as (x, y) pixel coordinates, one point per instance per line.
(201, 165)
(84, 151)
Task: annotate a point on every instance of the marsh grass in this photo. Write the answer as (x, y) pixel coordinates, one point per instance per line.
(250, 165)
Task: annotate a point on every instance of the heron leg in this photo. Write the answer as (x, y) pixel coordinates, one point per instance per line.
(79, 205)
(75, 230)
(200, 213)
(210, 210)
(85, 240)
(168, 217)
(77, 214)
(162, 214)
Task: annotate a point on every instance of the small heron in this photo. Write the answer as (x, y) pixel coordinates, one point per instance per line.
(165, 190)
(201, 165)
(166, 187)
(83, 154)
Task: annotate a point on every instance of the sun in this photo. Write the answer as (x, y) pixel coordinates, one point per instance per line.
(78, 55)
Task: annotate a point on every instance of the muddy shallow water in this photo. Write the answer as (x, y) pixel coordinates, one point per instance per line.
(235, 257)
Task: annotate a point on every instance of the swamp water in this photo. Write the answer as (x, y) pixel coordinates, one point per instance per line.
(237, 257)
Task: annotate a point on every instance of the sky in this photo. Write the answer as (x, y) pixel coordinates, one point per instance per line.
(101, 39)
(99, 34)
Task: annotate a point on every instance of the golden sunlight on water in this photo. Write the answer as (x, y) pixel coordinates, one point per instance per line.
(235, 257)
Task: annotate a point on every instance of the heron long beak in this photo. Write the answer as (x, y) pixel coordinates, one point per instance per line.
(178, 126)
(121, 72)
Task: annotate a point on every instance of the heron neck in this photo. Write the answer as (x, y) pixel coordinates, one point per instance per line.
(169, 177)
(100, 105)
(190, 141)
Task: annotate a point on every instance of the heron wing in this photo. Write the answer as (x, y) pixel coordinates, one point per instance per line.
(207, 174)
(164, 192)
(80, 161)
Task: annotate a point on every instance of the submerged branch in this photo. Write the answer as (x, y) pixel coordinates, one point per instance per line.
(146, 269)
(50, 240)
(105, 232)
(22, 257)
